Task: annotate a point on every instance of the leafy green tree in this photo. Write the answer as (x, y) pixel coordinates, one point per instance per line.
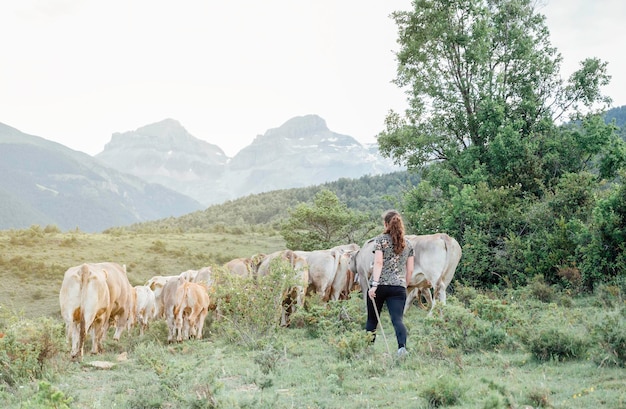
(498, 171)
(325, 224)
(484, 89)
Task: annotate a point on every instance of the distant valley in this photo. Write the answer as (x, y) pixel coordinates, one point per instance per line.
(160, 171)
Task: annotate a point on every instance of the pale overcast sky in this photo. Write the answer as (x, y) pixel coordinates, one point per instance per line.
(76, 71)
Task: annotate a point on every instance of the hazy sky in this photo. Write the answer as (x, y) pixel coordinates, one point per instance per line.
(76, 71)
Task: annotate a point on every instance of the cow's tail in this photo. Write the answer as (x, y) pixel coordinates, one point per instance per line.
(82, 330)
(448, 267)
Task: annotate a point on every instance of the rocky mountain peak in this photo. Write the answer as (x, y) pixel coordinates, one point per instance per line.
(301, 152)
(164, 136)
(300, 126)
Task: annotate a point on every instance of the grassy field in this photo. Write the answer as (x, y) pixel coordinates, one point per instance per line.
(517, 348)
(32, 262)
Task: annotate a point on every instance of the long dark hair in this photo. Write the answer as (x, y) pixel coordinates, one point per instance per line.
(395, 228)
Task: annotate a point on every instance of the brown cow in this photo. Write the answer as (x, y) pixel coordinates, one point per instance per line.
(121, 297)
(190, 311)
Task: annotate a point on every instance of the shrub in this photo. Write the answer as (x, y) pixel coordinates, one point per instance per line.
(554, 343)
(458, 327)
(610, 330)
(250, 309)
(540, 398)
(27, 347)
(351, 345)
(267, 359)
(608, 295)
(48, 397)
(321, 318)
(442, 391)
(541, 290)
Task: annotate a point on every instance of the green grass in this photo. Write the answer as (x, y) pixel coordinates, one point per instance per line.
(476, 352)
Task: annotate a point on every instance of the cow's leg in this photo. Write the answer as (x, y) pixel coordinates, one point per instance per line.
(441, 293)
(122, 322)
(76, 340)
(430, 301)
(409, 299)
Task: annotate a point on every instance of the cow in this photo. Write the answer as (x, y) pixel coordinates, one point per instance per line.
(342, 283)
(436, 258)
(171, 302)
(325, 277)
(189, 275)
(85, 307)
(204, 276)
(293, 297)
(121, 296)
(190, 311)
(346, 248)
(245, 266)
(145, 308)
(156, 284)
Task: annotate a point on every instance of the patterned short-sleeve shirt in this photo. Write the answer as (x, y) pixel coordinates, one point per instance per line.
(394, 265)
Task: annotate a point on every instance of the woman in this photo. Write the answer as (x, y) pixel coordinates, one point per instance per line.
(393, 268)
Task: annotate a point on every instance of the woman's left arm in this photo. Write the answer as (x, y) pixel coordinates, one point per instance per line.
(410, 264)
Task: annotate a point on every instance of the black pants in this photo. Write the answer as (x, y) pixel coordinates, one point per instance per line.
(395, 297)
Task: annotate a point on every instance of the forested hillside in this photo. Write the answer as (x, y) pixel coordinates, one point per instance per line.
(368, 194)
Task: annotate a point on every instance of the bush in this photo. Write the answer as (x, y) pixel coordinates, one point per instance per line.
(249, 310)
(442, 391)
(458, 327)
(351, 345)
(27, 347)
(541, 290)
(48, 397)
(554, 343)
(330, 318)
(610, 330)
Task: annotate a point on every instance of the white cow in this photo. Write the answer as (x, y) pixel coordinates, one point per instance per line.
(146, 307)
(328, 272)
(85, 307)
(436, 258)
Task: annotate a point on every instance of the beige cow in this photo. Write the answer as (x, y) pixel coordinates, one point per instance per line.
(156, 284)
(85, 307)
(171, 303)
(245, 266)
(121, 296)
(328, 272)
(190, 310)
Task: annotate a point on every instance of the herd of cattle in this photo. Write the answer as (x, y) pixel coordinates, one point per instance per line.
(95, 296)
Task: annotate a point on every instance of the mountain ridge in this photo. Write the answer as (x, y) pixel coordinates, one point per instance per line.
(301, 152)
(43, 182)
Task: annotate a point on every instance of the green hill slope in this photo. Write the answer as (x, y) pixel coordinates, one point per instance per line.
(368, 194)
